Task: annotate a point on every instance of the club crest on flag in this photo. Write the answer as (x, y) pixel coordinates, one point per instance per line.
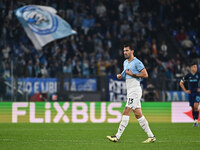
(39, 21)
(42, 25)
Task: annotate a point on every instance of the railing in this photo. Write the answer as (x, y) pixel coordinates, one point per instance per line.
(66, 87)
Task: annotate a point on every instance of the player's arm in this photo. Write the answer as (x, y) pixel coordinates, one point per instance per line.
(143, 73)
(183, 87)
(120, 76)
(198, 89)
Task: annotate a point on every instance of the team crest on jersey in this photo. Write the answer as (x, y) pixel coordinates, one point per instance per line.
(197, 98)
(40, 21)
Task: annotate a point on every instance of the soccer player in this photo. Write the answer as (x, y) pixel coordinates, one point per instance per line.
(192, 79)
(133, 71)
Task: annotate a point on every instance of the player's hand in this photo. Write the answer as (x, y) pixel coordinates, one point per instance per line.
(119, 76)
(128, 71)
(188, 91)
(198, 90)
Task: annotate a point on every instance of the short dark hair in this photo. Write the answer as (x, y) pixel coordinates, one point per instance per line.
(128, 45)
(192, 63)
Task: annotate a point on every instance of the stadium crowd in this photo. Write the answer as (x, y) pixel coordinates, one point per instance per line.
(182, 18)
(103, 26)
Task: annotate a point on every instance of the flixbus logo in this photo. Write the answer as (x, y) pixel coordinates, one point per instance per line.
(79, 112)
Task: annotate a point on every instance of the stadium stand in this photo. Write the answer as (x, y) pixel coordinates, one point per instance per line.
(161, 36)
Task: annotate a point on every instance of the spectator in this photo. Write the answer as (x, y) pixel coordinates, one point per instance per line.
(85, 68)
(69, 66)
(7, 73)
(20, 68)
(178, 69)
(100, 9)
(154, 47)
(6, 50)
(181, 35)
(163, 48)
(187, 45)
(30, 70)
(193, 54)
(102, 67)
(150, 93)
(77, 70)
(124, 28)
(37, 68)
(43, 71)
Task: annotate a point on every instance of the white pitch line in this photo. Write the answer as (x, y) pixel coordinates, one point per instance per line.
(86, 141)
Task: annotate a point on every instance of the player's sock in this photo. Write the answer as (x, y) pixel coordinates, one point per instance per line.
(145, 126)
(193, 114)
(122, 126)
(196, 115)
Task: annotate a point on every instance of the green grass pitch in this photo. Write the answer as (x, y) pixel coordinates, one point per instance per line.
(90, 136)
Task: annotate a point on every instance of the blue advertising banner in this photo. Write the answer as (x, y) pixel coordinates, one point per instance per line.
(80, 84)
(49, 85)
(177, 96)
(34, 85)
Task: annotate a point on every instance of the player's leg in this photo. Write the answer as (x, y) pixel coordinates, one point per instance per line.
(136, 106)
(194, 100)
(195, 113)
(122, 126)
(124, 122)
(191, 102)
(144, 124)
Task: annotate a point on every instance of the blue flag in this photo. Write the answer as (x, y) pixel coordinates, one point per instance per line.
(42, 25)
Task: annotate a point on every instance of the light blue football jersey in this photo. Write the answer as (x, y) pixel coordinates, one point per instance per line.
(135, 66)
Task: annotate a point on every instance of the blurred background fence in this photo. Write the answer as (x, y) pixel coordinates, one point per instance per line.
(66, 87)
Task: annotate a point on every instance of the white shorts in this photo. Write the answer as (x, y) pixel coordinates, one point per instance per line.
(134, 94)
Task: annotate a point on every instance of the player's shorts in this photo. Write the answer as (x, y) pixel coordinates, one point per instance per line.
(194, 98)
(134, 94)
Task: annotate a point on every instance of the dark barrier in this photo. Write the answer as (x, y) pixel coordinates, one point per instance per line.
(79, 96)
